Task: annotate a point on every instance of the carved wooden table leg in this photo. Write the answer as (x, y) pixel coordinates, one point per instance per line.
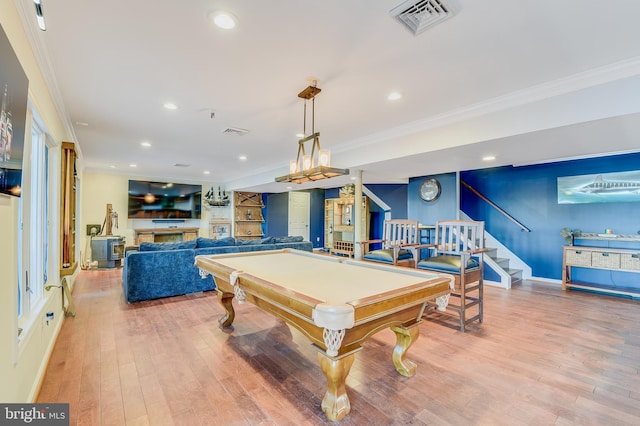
(405, 336)
(225, 300)
(335, 403)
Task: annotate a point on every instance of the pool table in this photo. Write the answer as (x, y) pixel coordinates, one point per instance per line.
(335, 302)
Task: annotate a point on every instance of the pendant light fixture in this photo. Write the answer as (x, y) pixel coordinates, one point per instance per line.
(315, 165)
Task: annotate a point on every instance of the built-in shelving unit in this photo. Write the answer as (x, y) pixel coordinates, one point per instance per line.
(339, 224)
(68, 237)
(248, 217)
(611, 258)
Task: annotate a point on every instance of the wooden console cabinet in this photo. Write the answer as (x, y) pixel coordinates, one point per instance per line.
(606, 258)
(155, 235)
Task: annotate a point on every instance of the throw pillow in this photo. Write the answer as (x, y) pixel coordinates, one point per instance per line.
(289, 239)
(202, 242)
(241, 242)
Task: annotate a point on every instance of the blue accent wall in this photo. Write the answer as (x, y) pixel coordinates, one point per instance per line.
(277, 214)
(316, 219)
(395, 196)
(529, 194)
(444, 208)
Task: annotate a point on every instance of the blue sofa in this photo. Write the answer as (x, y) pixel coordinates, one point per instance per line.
(158, 270)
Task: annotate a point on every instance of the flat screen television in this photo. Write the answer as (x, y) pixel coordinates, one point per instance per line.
(14, 87)
(164, 200)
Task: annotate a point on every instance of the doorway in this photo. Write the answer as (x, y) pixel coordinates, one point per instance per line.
(299, 214)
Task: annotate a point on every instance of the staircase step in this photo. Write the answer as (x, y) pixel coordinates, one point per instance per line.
(503, 262)
(516, 275)
(492, 253)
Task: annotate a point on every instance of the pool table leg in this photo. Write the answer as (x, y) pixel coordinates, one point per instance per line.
(405, 336)
(336, 403)
(225, 300)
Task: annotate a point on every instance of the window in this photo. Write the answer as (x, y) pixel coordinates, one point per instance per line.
(34, 235)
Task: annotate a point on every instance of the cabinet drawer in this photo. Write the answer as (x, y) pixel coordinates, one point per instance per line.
(578, 257)
(189, 236)
(145, 238)
(630, 261)
(605, 260)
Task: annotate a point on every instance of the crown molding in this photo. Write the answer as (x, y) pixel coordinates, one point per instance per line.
(591, 78)
(34, 36)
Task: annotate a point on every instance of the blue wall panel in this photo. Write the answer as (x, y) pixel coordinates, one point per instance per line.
(529, 194)
(395, 196)
(277, 216)
(443, 208)
(316, 219)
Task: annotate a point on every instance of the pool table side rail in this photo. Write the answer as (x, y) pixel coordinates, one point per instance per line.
(369, 308)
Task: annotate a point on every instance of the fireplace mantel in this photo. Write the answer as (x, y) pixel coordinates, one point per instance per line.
(157, 235)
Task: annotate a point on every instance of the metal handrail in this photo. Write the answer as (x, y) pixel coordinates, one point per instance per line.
(494, 205)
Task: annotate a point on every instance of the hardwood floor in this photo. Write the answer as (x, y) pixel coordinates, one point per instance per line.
(541, 357)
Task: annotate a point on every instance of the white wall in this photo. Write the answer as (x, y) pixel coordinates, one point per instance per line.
(100, 189)
(22, 365)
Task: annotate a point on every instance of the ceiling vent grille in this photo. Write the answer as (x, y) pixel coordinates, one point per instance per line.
(235, 131)
(418, 15)
(181, 165)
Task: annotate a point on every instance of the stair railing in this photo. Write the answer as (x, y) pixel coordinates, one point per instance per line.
(494, 205)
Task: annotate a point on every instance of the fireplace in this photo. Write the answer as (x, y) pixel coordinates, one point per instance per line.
(107, 251)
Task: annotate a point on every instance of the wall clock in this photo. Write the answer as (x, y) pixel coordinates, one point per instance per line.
(430, 189)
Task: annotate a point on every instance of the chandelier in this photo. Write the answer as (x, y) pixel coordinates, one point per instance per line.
(317, 164)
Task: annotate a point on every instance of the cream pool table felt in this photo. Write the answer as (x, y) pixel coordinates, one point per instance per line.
(336, 302)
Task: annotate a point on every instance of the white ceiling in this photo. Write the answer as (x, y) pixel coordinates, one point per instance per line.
(527, 82)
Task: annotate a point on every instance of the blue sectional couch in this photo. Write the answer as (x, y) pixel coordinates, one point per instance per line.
(158, 270)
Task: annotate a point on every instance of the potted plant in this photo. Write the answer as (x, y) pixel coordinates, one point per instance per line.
(570, 234)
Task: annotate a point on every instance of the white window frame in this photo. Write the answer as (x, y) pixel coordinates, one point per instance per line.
(36, 235)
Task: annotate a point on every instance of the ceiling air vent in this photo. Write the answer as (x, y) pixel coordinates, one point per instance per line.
(235, 131)
(181, 165)
(418, 15)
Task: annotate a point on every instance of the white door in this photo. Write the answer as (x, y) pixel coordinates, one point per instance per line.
(299, 212)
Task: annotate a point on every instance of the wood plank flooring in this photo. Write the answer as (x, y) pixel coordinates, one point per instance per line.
(541, 357)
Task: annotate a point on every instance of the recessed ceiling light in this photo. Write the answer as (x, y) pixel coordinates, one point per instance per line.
(145, 144)
(133, 165)
(394, 96)
(112, 166)
(299, 135)
(224, 20)
(82, 123)
(170, 105)
(206, 172)
(488, 158)
(242, 157)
